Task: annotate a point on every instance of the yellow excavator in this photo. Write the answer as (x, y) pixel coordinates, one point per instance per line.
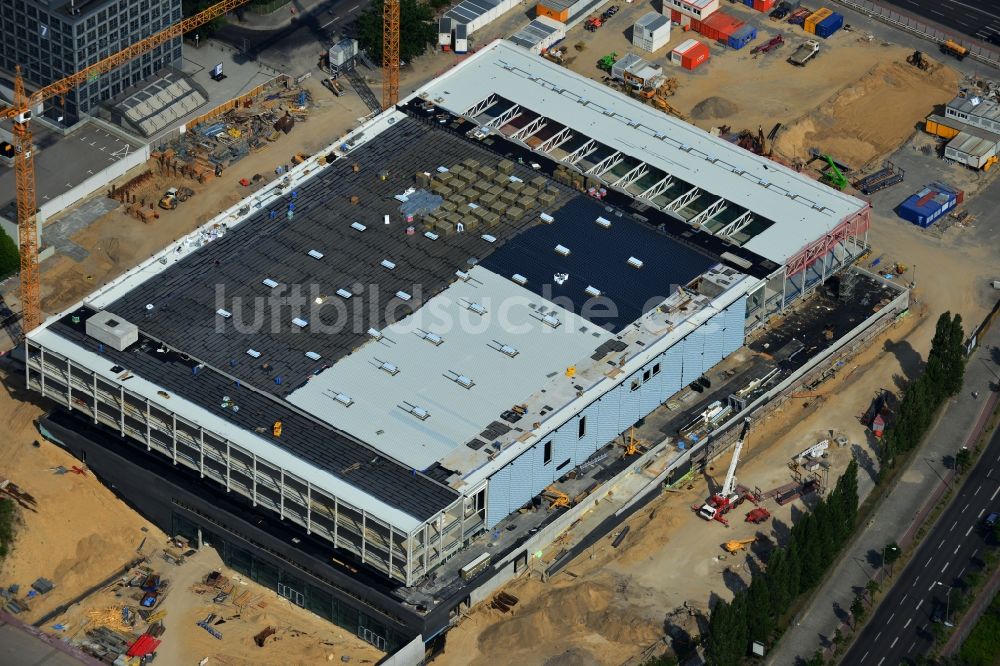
(557, 498)
(737, 545)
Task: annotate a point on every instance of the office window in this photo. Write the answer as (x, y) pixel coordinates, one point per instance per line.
(547, 457)
(635, 385)
(646, 375)
(656, 369)
(581, 428)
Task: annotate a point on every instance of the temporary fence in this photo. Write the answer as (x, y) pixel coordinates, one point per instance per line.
(914, 26)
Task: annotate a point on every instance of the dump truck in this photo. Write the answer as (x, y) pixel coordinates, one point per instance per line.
(333, 85)
(804, 53)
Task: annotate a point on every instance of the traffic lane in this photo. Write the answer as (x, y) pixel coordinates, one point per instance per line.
(900, 627)
(977, 19)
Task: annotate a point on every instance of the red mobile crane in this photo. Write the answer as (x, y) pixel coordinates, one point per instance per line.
(720, 503)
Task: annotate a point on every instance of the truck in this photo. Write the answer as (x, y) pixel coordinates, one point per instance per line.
(804, 53)
(951, 47)
(333, 85)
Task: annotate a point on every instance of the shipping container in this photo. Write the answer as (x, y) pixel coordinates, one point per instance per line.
(651, 32)
(742, 37)
(690, 54)
(930, 203)
(764, 6)
(748, 3)
(698, 9)
(940, 126)
(829, 25)
(720, 27)
(809, 25)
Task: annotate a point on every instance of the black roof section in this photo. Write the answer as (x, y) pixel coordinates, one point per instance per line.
(311, 440)
(598, 257)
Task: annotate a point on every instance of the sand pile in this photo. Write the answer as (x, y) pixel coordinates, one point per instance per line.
(870, 118)
(714, 107)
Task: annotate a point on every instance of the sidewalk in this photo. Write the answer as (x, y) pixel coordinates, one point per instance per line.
(919, 486)
(284, 15)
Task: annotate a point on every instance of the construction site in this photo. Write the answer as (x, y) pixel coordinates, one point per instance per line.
(477, 374)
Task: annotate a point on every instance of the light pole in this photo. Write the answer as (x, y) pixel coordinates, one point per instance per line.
(892, 547)
(947, 605)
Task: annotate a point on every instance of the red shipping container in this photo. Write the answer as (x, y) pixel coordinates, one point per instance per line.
(763, 5)
(720, 26)
(695, 56)
(675, 16)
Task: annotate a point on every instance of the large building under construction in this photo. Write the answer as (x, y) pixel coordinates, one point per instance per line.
(350, 382)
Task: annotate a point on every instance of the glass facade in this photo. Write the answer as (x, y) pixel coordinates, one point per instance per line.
(292, 585)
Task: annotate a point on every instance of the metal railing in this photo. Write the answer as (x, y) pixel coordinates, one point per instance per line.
(917, 27)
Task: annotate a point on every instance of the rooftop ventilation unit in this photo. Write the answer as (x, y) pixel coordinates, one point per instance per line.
(343, 399)
(546, 218)
(403, 296)
(225, 314)
(111, 330)
(563, 250)
(592, 291)
(634, 263)
(461, 380)
(313, 356)
(375, 333)
(419, 412)
(462, 275)
(389, 368)
(315, 254)
(343, 293)
(478, 308)
(432, 338)
(268, 282)
(603, 222)
(520, 279)
(551, 320)
(358, 226)
(431, 235)
(301, 323)
(253, 353)
(388, 264)
(489, 238)
(506, 350)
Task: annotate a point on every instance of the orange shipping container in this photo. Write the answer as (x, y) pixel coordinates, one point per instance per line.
(690, 54)
(558, 11)
(809, 25)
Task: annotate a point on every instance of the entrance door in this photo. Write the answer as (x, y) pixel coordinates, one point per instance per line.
(291, 594)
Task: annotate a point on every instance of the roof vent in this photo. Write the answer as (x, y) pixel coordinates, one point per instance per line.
(268, 282)
(634, 263)
(431, 235)
(388, 264)
(419, 412)
(432, 338)
(403, 296)
(592, 291)
(546, 218)
(603, 222)
(461, 380)
(315, 254)
(520, 279)
(225, 314)
(489, 238)
(253, 352)
(343, 293)
(551, 320)
(563, 250)
(478, 308)
(388, 367)
(462, 275)
(358, 226)
(343, 399)
(509, 351)
(301, 323)
(375, 333)
(313, 356)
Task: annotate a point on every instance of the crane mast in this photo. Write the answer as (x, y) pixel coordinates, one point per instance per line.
(730, 483)
(390, 53)
(24, 162)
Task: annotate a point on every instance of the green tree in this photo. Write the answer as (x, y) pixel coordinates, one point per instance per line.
(8, 519)
(890, 553)
(416, 29)
(10, 259)
(192, 7)
(760, 618)
(858, 610)
(963, 459)
(948, 354)
(816, 660)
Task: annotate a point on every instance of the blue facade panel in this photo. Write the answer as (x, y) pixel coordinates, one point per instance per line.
(630, 402)
(714, 335)
(498, 496)
(651, 394)
(673, 360)
(608, 425)
(735, 326)
(541, 474)
(521, 481)
(694, 345)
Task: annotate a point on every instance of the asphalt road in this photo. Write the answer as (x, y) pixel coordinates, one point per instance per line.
(900, 630)
(976, 18)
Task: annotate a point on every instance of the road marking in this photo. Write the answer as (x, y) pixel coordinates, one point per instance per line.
(880, 661)
(961, 572)
(863, 657)
(969, 530)
(890, 618)
(876, 637)
(908, 623)
(912, 645)
(904, 598)
(945, 566)
(919, 605)
(953, 526)
(964, 508)
(331, 21)
(977, 490)
(928, 562)
(942, 543)
(915, 581)
(973, 553)
(929, 589)
(988, 472)
(894, 641)
(956, 549)
(993, 496)
(352, 9)
(981, 512)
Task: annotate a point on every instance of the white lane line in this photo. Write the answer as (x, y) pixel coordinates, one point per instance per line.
(945, 566)
(352, 9)
(929, 589)
(956, 550)
(977, 490)
(961, 572)
(330, 22)
(993, 496)
(908, 623)
(915, 579)
(904, 598)
(876, 637)
(942, 543)
(953, 526)
(890, 618)
(919, 605)
(863, 657)
(928, 562)
(964, 508)
(973, 553)
(988, 472)
(912, 645)
(880, 661)
(894, 641)
(981, 512)
(969, 530)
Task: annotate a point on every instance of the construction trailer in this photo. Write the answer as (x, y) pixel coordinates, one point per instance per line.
(697, 9)
(974, 148)
(690, 53)
(930, 203)
(341, 55)
(539, 35)
(461, 21)
(651, 32)
(565, 11)
(636, 72)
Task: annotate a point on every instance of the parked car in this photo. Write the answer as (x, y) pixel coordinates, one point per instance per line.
(937, 612)
(991, 520)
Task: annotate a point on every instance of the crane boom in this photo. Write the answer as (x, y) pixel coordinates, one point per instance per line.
(24, 163)
(730, 483)
(390, 53)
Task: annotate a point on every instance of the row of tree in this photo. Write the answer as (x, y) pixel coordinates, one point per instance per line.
(758, 612)
(416, 28)
(941, 379)
(10, 260)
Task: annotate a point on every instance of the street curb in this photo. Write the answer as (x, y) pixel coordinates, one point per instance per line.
(972, 615)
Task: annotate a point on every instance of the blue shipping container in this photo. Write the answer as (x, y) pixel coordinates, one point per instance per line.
(742, 37)
(934, 206)
(748, 3)
(829, 25)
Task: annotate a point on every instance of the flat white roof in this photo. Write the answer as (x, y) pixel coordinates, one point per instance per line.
(801, 208)
(417, 398)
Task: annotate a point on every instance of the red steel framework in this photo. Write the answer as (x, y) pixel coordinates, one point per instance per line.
(851, 227)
